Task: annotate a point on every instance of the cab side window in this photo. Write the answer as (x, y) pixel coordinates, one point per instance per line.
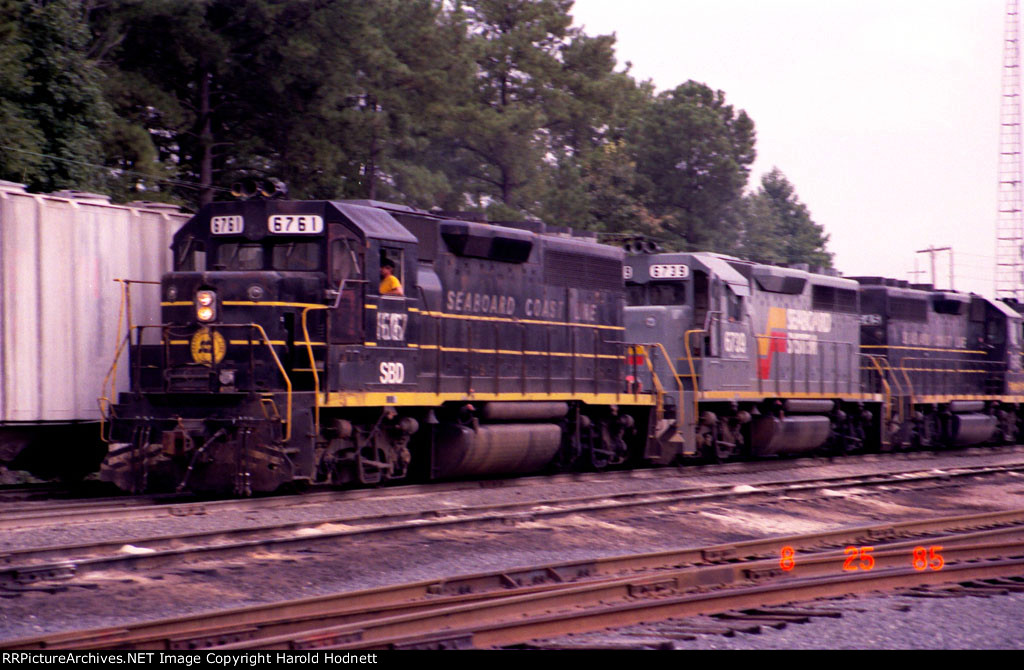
(345, 262)
(392, 258)
(191, 256)
(296, 256)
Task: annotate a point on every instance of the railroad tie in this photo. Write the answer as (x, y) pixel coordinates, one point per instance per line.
(727, 631)
(832, 614)
(770, 621)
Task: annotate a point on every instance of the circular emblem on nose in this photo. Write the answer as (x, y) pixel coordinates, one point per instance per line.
(208, 347)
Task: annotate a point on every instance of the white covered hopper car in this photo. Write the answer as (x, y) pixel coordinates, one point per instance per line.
(60, 257)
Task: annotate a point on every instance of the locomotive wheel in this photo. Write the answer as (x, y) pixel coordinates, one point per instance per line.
(713, 449)
(849, 438)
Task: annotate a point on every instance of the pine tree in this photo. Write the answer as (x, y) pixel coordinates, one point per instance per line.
(693, 153)
(779, 228)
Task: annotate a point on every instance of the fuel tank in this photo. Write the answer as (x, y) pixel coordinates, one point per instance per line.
(972, 428)
(788, 435)
(511, 448)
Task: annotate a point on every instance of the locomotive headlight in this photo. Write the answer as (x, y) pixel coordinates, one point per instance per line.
(172, 293)
(206, 306)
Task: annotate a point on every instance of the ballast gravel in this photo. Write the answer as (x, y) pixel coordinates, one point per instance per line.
(869, 622)
(113, 598)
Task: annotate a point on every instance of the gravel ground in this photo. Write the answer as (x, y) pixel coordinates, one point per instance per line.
(108, 599)
(870, 622)
(125, 530)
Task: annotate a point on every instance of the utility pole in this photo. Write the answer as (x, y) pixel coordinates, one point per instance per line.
(932, 251)
(1009, 280)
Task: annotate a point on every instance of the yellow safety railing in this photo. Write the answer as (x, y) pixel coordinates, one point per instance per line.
(124, 312)
(659, 402)
(265, 339)
(927, 368)
(284, 374)
(906, 378)
(317, 403)
(693, 371)
(900, 393)
(886, 389)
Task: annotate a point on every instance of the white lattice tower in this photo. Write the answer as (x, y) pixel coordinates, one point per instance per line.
(1010, 225)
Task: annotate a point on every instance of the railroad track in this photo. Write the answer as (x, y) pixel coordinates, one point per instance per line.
(33, 505)
(35, 564)
(518, 606)
(19, 493)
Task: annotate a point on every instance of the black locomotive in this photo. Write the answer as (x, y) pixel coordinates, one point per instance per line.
(361, 342)
(285, 357)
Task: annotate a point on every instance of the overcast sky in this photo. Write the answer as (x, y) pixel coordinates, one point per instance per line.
(884, 114)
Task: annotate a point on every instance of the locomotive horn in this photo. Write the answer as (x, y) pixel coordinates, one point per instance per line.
(272, 188)
(244, 189)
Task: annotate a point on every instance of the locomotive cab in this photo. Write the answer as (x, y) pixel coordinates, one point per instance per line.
(262, 288)
(996, 327)
(698, 301)
(695, 304)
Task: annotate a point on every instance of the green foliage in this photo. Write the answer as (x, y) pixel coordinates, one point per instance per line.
(777, 227)
(502, 141)
(502, 106)
(694, 153)
(19, 159)
(51, 106)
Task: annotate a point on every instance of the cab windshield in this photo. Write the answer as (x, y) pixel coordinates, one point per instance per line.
(657, 293)
(239, 256)
(296, 256)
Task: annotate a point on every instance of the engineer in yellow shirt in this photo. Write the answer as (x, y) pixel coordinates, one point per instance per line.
(389, 284)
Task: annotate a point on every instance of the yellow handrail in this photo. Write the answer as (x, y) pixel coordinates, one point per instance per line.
(899, 387)
(124, 310)
(287, 379)
(104, 400)
(906, 377)
(885, 385)
(312, 365)
(657, 381)
(693, 371)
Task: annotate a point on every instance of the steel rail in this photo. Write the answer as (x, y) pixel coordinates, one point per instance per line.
(628, 601)
(23, 515)
(23, 565)
(669, 567)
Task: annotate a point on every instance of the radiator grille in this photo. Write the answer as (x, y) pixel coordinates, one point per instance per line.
(562, 268)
